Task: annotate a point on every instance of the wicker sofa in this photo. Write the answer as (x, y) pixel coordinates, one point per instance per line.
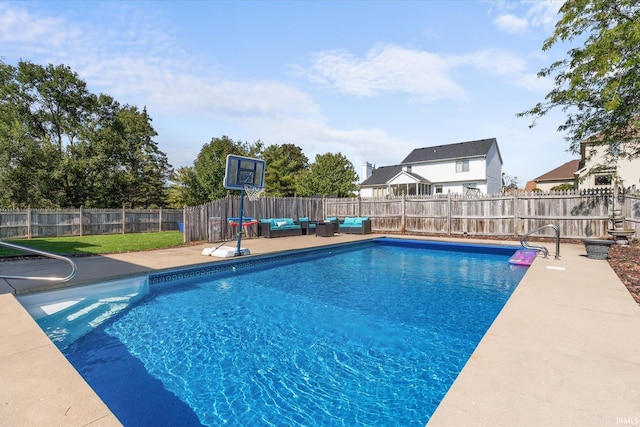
(278, 227)
(355, 225)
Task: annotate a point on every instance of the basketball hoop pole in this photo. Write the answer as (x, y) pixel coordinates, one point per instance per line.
(242, 173)
(238, 250)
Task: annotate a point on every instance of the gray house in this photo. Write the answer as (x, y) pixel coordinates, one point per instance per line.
(463, 168)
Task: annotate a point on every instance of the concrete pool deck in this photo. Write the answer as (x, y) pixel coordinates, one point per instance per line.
(565, 350)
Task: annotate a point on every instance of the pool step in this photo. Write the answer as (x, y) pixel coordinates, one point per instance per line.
(97, 312)
(67, 314)
(71, 323)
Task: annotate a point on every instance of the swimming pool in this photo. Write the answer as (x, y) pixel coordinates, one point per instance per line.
(361, 334)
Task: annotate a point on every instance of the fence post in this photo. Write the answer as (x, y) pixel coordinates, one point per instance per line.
(449, 213)
(324, 207)
(160, 220)
(515, 213)
(403, 227)
(184, 225)
(28, 222)
(124, 225)
(81, 221)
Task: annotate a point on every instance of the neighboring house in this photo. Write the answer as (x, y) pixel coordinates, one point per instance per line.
(600, 170)
(564, 174)
(466, 168)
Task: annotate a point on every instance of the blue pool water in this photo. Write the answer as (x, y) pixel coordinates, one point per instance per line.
(369, 335)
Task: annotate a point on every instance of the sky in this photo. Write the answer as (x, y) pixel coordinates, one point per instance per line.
(371, 80)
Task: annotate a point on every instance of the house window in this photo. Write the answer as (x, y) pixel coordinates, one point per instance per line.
(419, 189)
(602, 179)
(614, 149)
(399, 189)
(438, 189)
(380, 192)
(462, 165)
(424, 189)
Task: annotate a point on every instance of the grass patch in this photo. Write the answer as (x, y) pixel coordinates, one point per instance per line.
(97, 245)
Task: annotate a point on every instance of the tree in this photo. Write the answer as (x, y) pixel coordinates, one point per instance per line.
(509, 183)
(204, 181)
(562, 187)
(283, 163)
(145, 167)
(44, 109)
(330, 175)
(62, 146)
(186, 189)
(598, 84)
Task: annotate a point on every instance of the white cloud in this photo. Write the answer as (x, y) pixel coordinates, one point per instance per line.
(507, 65)
(387, 68)
(496, 62)
(544, 13)
(16, 25)
(512, 24)
(538, 14)
(429, 77)
(139, 64)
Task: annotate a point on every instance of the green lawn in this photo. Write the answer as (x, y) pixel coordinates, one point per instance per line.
(101, 244)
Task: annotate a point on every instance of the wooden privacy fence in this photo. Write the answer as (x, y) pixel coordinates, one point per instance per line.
(209, 221)
(20, 223)
(577, 214)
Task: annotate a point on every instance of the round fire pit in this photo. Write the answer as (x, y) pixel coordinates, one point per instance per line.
(597, 248)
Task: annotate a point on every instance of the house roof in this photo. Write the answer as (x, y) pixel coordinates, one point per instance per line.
(382, 175)
(459, 150)
(415, 176)
(564, 172)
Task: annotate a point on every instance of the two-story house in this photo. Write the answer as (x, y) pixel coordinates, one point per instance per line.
(464, 168)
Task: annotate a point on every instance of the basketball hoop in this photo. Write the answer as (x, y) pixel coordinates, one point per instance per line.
(253, 193)
(247, 175)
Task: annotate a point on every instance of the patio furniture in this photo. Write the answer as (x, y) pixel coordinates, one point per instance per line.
(324, 229)
(355, 225)
(308, 227)
(335, 221)
(247, 223)
(278, 227)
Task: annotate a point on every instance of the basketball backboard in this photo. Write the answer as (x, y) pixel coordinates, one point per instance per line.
(241, 171)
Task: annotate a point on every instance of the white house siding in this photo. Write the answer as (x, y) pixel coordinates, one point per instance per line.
(548, 185)
(445, 171)
(366, 192)
(459, 187)
(628, 171)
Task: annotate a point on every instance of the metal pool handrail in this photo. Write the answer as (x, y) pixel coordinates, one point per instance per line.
(545, 251)
(74, 268)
